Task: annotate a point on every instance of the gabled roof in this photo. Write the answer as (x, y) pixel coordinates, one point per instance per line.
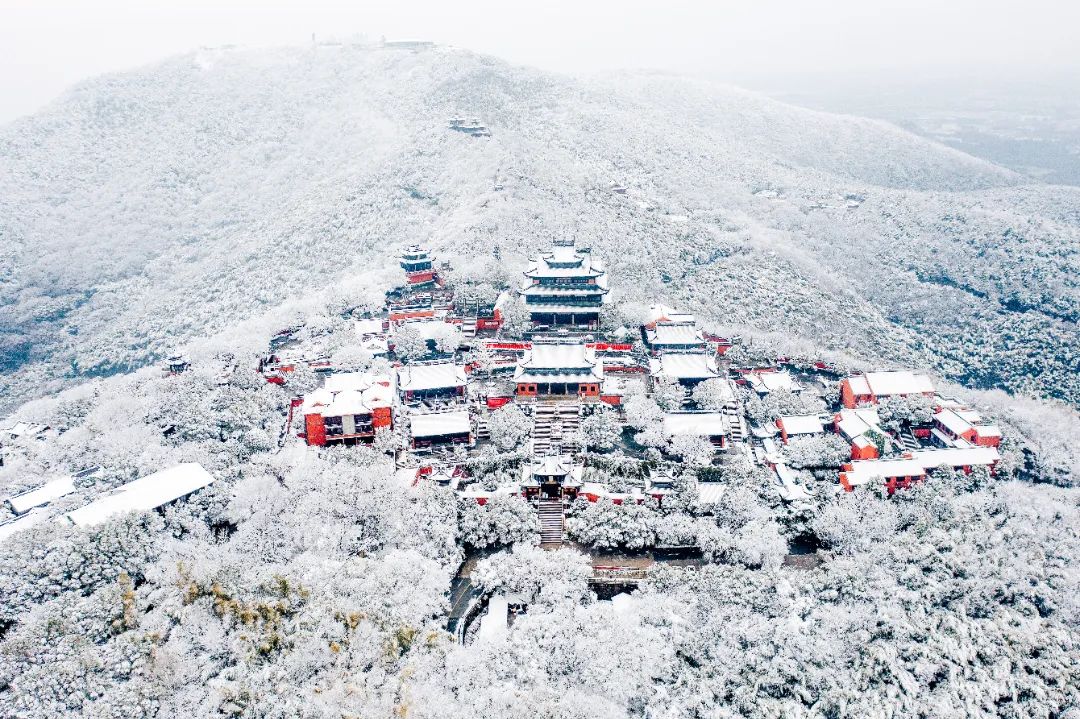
(887, 384)
(669, 333)
(350, 393)
(565, 262)
(572, 361)
(690, 365)
(960, 421)
(438, 424)
(44, 494)
(765, 382)
(145, 493)
(802, 424)
(422, 377)
(663, 313)
(857, 422)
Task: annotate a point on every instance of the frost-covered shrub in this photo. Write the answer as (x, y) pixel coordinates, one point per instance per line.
(504, 519)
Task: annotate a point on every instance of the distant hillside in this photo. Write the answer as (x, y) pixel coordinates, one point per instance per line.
(146, 208)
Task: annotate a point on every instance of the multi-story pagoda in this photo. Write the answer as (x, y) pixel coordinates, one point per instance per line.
(565, 286)
(417, 263)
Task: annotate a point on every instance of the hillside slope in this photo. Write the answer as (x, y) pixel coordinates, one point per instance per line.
(147, 208)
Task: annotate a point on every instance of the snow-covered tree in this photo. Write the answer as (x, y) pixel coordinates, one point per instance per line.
(601, 430)
(642, 411)
(503, 520)
(817, 451)
(712, 394)
(509, 426)
(668, 394)
(409, 344)
(541, 578)
(694, 450)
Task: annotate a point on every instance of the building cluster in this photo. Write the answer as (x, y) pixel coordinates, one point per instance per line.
(436, 376)
(438, 406)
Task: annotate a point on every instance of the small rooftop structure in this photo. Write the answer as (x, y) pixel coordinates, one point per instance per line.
(145, 493)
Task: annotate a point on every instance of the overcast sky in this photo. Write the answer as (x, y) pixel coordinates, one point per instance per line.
(46, 45)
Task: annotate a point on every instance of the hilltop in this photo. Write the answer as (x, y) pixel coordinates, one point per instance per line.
(146, 208)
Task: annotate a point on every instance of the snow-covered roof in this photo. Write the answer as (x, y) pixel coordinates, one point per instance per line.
(681, 334)
(350, 393)
(20, 523)
(44, 494)
(876, 470)
(438, 424)
(901, 382)
(553, 466)
(24, 429)
(565, 262)
(765, 382)
(559, 362)
(919, 463)
(959, 421)
(145, 493)
(422, 377)
(956, 457)
(710, 492)
(358, 381)
(702, 424)
(857, 422)
(802, 424)
(663, 313)
(690, 365)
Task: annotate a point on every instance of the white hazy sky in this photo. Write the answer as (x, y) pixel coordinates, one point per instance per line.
(47, 45)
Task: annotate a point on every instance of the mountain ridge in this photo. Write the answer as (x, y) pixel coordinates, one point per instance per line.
(144, 209)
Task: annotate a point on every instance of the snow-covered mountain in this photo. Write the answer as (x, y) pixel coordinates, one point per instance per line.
(146, 208)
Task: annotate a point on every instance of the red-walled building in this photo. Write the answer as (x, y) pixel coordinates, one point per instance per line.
(349, 408)
(564, 368)
(958, 424)
(872, 387)
(913, 466)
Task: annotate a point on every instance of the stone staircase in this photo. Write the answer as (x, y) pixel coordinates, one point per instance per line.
(736, 421)
(483, 431)
(907, 439)
(551, 522)
(555, 426)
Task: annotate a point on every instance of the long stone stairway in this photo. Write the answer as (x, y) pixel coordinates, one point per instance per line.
(551, 522)
(555, 426)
